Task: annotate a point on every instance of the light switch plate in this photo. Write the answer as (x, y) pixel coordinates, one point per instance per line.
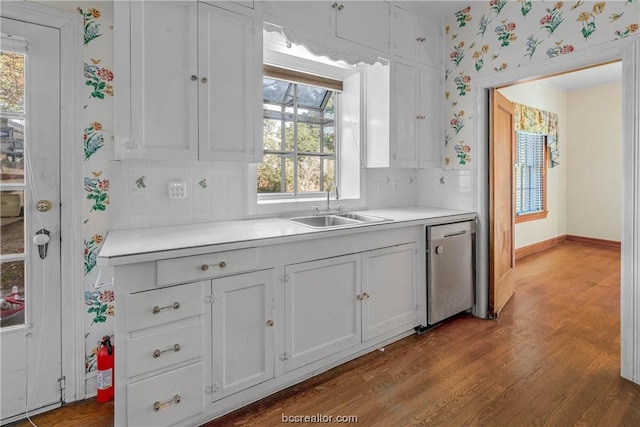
(177, 190)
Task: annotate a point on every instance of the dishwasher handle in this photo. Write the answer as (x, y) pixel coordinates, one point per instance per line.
(457, 233)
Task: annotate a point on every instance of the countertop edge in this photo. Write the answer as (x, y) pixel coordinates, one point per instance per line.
(310, 234)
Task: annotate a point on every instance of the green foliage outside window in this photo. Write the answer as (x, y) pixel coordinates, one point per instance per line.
(306, 151)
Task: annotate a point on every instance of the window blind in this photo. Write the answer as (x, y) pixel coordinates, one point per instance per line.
(300, 77)
(530, 164)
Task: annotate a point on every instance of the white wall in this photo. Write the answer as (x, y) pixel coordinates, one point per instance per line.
(594, 172)
(539, 95)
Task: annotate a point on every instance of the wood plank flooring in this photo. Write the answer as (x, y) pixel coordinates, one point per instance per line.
(552, 358)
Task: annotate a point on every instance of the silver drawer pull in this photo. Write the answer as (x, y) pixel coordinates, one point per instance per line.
(157, 352)
(176, 399)
(205, 267)
(156, 309)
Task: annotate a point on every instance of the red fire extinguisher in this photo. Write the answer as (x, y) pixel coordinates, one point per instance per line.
(105, 370)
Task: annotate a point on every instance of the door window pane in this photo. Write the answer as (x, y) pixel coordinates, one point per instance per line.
(12, 150)
(12, 78)
(12, 303)
(12, 220)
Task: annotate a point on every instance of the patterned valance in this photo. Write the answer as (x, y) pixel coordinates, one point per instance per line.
(533, 120)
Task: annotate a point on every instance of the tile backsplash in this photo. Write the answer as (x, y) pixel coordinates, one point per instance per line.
(216, 192)
(140, 193)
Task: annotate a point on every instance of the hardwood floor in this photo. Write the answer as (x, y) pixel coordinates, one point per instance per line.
(552, 358)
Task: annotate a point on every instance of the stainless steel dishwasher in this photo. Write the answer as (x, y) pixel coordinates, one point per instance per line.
(450, 269)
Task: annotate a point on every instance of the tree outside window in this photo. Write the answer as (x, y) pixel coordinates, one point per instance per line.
(299, 137)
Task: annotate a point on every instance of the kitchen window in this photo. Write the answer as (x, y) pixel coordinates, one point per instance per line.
(531, 176)
(299, 134)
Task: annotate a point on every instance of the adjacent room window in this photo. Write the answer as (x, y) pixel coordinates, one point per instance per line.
(531, 179)
(299, 134)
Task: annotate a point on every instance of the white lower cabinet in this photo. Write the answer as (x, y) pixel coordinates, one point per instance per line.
(389, 290)
(167, 398)
(163, 366)
(337, 303)
(322, 314)
(242, 332)
(191, 352)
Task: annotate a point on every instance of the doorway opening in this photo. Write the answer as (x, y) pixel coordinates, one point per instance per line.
(581, 193)
(628, 53)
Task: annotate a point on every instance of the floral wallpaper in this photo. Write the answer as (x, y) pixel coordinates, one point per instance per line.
(97, 145)
(488, 37)
(98, 151)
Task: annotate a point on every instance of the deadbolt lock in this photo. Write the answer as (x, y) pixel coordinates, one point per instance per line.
(43, 205)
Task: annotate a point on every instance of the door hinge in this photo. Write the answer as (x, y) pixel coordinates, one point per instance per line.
(62, 383)
(284, 278)
(210, 299)
(210, 389)
(285, 356)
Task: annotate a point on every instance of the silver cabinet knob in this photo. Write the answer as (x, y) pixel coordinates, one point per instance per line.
(194, 77)
(204, 79)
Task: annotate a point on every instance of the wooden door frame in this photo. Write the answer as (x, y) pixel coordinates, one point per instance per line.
(628, 51)
(70, 26)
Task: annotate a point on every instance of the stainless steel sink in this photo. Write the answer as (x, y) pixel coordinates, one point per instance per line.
(336, 220)
(363, 218)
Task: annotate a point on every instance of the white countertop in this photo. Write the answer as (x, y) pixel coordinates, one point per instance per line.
(149, 244)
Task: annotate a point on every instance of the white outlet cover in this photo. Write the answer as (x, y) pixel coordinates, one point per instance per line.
(177, 190)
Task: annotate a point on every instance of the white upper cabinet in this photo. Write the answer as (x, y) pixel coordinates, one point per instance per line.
(363, 22)
(163, 95)
(431, 122)
(230, 85)
(189, 82)
(405, 115)
(416, 38)
(305, 18)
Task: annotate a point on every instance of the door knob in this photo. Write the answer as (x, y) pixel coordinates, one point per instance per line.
(41, 239)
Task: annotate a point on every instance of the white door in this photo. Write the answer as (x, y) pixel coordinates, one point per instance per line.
(389, 290)
(164, 80)
(30, 333)
(243, 332)
(228, 95)
(322, 309)
(405, 80)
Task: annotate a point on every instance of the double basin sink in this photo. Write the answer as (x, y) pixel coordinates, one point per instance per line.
(337, 220)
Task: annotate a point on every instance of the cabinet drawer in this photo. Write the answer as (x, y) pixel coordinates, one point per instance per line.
(167, 398)
(163, 349)
(199, 267)
(151, 308)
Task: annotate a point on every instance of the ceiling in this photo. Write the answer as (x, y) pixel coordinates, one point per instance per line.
(588, 77)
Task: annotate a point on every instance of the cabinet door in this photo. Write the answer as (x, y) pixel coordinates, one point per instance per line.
(163, 91)
(322, 310)
(306, 19)
(230, 75)
(404, 38)
(431, 42)
(405, 83)
(364, 22)
(242, 332)
(431, 132)
(389, 289)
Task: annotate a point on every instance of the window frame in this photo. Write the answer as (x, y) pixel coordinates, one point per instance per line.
(334, 88)
(533, 216)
